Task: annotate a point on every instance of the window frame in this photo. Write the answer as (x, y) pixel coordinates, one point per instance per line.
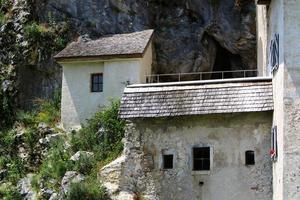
(203, 172)
(161, 159)
(92, 82)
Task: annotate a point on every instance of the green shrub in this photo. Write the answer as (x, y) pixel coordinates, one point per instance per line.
(90, 189)
(48, 110)
(26, 118)
(57, 162)
(85, 164)
(16, 169)
(31, 137)
(35, 31)
(9, 192)
(103, 143)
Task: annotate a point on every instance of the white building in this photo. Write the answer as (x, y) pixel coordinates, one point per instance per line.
(96, 70)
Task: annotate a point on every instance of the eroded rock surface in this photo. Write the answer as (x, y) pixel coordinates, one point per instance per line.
(191, 35)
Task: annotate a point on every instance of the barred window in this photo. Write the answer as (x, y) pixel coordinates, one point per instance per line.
(201, 158)
(97, 82)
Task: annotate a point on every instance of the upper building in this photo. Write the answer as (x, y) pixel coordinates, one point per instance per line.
(96, 70)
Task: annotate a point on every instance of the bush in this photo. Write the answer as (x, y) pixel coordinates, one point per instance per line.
(9, 192)
(16, 169)
(85, 165)
(57, 162)
(90, 189)
(26, 118)
(37, 32)
(102, 134)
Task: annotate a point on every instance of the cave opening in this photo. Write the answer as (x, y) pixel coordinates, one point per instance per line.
(226, 61)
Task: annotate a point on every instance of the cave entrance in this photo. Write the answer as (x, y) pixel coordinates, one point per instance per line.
(226, 61)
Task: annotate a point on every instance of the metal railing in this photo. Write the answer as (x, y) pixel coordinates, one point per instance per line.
(160, 78)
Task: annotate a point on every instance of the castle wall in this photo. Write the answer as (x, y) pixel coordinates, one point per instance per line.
(228, 136)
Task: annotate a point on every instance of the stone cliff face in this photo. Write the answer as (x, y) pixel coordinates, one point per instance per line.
(191, 35)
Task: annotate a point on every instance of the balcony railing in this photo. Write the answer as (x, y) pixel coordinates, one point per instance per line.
(160, 78)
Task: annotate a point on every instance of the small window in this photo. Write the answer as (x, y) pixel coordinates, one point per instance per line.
(250, 158)
(201, 158)
(274, 145)
(168, 161)
(96, 82)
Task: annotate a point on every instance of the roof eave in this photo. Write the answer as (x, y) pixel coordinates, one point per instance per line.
(96, 58)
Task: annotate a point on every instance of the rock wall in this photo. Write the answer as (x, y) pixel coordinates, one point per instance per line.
(188, 32)
(191, 35)
(139, 172)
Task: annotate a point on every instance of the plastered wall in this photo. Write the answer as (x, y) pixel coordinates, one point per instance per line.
(229, 136)
(79, 103)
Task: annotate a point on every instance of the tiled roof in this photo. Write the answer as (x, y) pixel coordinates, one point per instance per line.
(120, 45)
(197, 99)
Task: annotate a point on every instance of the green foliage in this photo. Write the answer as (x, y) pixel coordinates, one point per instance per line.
(57, 162)
(9, 192)
(16, 169)
(85, 164)
(90, 189)
(35, 31)
(6, 104)
(26, 118)
(105, 144)
(102, 134)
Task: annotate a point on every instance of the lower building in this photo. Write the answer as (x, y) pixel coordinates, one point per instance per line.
(196, 140)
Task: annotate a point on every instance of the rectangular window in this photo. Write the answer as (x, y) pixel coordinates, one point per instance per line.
(249, 158)
(201, 158)
(96, 82)
(274, 148)
(168, 161)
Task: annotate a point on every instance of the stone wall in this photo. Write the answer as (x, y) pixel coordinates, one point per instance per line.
(228, 135)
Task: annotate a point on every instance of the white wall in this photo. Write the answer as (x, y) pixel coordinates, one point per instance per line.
(291, 100)
(284, 19)
(262, 40)
(275, 22)
(79, 103)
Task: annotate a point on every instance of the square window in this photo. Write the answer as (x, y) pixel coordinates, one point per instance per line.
(96, 82)
(168, 161)
(201, 158)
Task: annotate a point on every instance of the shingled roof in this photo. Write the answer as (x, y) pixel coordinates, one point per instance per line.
(114, 46)
(197, 98)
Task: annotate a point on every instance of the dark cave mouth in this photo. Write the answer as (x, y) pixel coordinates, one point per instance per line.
(226, 62)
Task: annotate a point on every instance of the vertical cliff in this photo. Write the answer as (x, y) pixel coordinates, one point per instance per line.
(191, 35)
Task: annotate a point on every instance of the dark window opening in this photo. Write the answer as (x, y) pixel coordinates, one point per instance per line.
(97, 82)
(168, 161)
(226, 61)
(250, 158)
(201, 158)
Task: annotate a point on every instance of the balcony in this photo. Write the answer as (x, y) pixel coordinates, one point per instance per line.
(197, 76)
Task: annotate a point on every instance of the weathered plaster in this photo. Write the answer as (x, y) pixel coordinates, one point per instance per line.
(229, 136)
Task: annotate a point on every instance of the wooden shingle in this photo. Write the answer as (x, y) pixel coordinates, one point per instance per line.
(198, 99)
(129, 45)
